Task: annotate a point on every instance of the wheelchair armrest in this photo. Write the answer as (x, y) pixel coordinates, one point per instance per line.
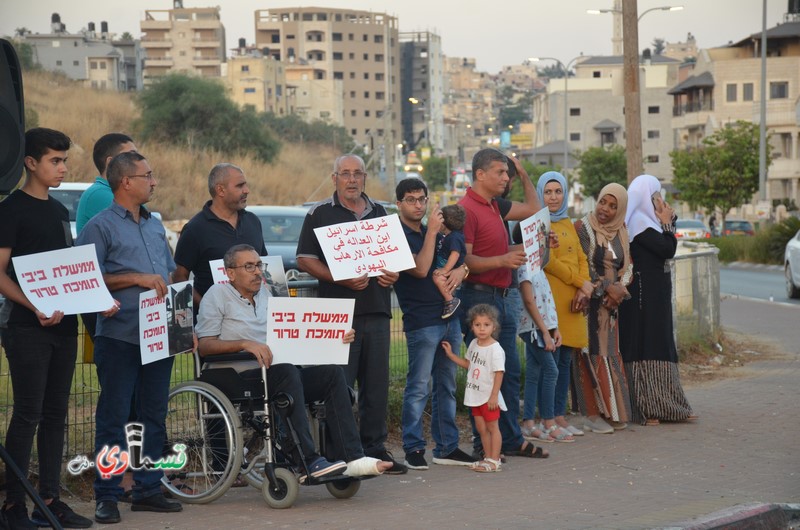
(226, 357)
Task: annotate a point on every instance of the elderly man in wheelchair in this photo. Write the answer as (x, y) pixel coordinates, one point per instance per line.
(233, 319)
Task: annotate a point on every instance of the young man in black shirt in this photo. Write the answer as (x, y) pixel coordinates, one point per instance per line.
(41, 349)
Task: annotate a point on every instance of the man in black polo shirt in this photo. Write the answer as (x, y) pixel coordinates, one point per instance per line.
(369, 353)
(222, 223)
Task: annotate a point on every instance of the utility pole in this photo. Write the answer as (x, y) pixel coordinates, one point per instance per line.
(633, 110)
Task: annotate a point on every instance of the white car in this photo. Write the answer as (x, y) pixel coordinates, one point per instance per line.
(791, 266)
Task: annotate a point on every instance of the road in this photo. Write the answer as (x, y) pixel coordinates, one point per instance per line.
(754, 283)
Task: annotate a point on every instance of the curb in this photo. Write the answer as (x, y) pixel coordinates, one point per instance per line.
(753, 266)
(744, 517)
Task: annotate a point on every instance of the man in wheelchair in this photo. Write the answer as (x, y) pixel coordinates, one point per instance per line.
(233, 317)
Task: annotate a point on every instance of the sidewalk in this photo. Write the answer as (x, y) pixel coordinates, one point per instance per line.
(743, 449)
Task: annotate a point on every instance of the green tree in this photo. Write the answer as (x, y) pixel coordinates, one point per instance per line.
(435, 172)
(534, 172)
(659, 45)
(196, 112)
(600, 166)
(552, 71)
(126, 36)
(293, 128)
(723, 171)
(25, 54)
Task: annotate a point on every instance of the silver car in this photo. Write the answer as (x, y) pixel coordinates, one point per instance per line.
(791, 266)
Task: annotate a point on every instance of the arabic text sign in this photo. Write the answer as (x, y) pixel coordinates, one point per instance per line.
(166, 324)
(535, 234)
(274, 277)
(67, 280)
(367, 246)
(309, 331)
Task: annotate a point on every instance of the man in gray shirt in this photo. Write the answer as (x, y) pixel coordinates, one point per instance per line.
(134, 256)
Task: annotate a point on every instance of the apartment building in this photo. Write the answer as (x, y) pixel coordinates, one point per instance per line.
(591, 107)
(725, 87)
(469, 108)
(358, 48)
(258, 81)
(183, 40)
(315, 99)
(88, 56)
(422, 90)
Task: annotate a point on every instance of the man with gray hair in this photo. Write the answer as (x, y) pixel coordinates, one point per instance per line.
(369, 353)
(222, 223)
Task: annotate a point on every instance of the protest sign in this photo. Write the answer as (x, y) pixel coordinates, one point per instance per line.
(166, 324)
(309, 331)
(367, 246)
(67, 280)
(535, 239)
(274, 276)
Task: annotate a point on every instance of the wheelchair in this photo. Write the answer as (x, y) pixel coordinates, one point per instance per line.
(230, 429)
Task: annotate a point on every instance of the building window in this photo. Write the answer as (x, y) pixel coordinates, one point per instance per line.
(249, 90)
(607, 137)
(338, 75)
(245, 68)
(378, 57)
(378, 39)
(366, 38)
(366, 94)
(380, 132)
(366, 114)
(574, 137)
(596, 73)
(653, 109)
(336, 37)
(379, 114)
(352, 93)
(366, 75)
(77, 63)
(337, 56)
(747, 92)
(352, 75)
(779, 90)
(730, 92)
(652, 159)
(353, 113)
(575, 111)
(350, 37)
(288, 37)
(93, 65)
(654, 134)
(366, 57)
(380, 95)
(353, 132)
(58, 63)
(351, 56)
(379, 77)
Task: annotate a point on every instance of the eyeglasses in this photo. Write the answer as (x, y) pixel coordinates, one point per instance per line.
(346, 175)
(411, 201)
(149, 176)
(251, 267)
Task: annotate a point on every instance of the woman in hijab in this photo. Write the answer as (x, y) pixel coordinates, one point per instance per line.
(567, 273)
(600, 384)
(646, 333)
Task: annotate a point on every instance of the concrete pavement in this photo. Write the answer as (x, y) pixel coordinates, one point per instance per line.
(742, 450)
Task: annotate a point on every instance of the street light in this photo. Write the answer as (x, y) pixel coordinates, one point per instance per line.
(423, 106)
(662, 8)
(566, 108)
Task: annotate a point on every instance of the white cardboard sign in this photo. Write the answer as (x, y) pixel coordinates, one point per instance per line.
(535, 239)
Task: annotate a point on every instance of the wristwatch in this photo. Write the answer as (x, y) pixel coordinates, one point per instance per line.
(466, 271)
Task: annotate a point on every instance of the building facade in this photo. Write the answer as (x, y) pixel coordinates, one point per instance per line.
(469, 109)
(183, 40)
(258, 81)
(422, 90)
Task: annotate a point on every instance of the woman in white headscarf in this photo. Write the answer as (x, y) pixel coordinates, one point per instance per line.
(646, 332)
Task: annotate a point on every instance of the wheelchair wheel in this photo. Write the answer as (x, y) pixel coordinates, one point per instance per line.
(202, 418)
(343, 489)
(284, 495)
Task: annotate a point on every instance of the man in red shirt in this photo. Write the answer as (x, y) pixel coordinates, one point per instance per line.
(491, 262)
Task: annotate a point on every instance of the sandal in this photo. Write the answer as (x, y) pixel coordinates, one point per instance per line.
(652, 423)
(529, 451)
(535, 433)
(558, 434)
(487, 466)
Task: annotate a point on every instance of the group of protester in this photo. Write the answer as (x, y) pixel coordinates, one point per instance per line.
(574, 313)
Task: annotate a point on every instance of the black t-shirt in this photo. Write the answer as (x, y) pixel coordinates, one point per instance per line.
(373, 299)
(31, 225)
(206, 237)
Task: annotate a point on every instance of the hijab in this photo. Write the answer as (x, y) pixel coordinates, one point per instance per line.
(553, 176)
(641, 213)
(605, 233)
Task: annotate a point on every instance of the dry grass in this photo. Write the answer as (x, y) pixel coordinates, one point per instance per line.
(301, 173)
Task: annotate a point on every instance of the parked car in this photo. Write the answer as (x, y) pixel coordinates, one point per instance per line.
(280, 226)
(738, 227)
(691, 229)
(791, 266)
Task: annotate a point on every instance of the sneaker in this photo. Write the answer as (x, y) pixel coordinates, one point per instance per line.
(598, 426)
(17, 516)
(321, 468)
(63, 514)
(574, 431)
(416, 460)
(396, 469)
(456, 458)
(450, 307)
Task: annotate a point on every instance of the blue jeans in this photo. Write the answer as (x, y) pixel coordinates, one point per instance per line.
(563, 358)
(41, 364)
(541, 373)
(121, 373)
(509, 308)
(431, 373)
(368, 364)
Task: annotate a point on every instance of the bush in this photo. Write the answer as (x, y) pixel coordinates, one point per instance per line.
(767, 246)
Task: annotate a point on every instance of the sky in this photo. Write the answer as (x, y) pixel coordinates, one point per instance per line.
(494, 33)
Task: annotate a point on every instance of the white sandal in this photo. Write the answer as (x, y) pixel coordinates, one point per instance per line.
(488, 465)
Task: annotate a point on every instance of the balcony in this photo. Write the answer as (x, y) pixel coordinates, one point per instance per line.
(784, 168)
(779, 112)
(156, 43)
(147, 25)
(158, 62)
(692, 106)
(205, 24)
(206, 60)
(205, 43)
